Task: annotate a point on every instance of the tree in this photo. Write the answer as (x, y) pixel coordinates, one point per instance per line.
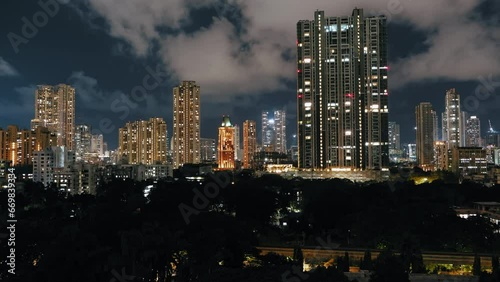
(346, 263)
(366, 263)
(389, 268)
(476, 267)
(298, 258)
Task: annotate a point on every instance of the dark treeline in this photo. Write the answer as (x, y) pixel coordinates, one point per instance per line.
(120, 233)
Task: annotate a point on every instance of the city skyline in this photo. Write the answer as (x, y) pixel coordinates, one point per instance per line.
(97, 89)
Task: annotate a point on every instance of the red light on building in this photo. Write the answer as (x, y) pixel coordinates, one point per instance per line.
(300, 96)
(299, 71)
(350, 95)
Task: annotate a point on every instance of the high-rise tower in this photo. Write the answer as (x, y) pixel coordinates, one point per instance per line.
(249, 143)
(425, 118)
(186, 133)
(55, 110)
(342, 92)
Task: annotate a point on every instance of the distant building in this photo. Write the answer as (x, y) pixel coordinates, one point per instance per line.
(51, 166)
(441, 156)
(208, 150)
(280, 131)
(267, 133)
(143, 142)
(469, 161)
(425, 116)
(412, 152)
(453, 119)
(83, 137)
(55, 110)
(237, 143)
(18, 146)
(186, 121)
(473, 132)
(249, 143)
(226, 145)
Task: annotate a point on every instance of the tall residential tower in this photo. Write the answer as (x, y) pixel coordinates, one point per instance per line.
(186, 136)
(342, 92)
(55, 110)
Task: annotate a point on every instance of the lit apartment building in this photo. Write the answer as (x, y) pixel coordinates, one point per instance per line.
(249, 143)
(452, 119)
(17, 146)
(143, 142)
(83, 137)
(280, 131)
(55, 109)
(342, 92)
(473, 132)
(469, 161)
(226, 145)
(441, 156)
(186, 121)
(425, 135)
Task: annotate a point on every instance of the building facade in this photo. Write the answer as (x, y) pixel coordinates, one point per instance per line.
(453, 119)
(249, 143)
(425, 116)
(342, 92)
(473, 132)
(143, 142)
(18, 146)
(226, 145)
(55, 109)
(186, 123)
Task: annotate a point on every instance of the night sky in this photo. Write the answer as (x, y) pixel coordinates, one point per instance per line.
(241, 53)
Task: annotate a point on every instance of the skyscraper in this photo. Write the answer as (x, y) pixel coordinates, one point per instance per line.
(226, 145)
(83, 138)
(55, 109)
(249, 143)
(237, 146)
(394, 136)
(143, 142)
(186, 136)
(280, 131)
(268, 134)
(342, 92)
(473, 132)
(425, 118)
(464, 117)
(452, 119)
